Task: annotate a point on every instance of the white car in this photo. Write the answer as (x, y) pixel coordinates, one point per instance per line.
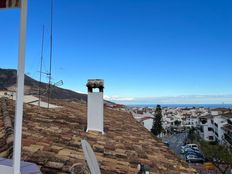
(188, 149)
(192, 146)
(194, 159)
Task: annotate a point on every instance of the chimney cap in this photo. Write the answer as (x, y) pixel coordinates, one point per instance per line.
(95, 83)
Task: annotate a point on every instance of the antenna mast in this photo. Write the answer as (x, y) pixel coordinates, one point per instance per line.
(50, 68)
(41, 62)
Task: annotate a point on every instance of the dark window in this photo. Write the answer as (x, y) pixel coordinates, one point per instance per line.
(212, 121)
(216, 124)
(203, 121)
(210, 129)
(216, 134)
(201, 128)
(229, 121)
(210, 137)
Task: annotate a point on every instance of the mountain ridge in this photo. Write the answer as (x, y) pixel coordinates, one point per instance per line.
(8, 82)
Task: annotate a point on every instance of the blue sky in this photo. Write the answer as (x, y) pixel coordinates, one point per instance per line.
(143, 49)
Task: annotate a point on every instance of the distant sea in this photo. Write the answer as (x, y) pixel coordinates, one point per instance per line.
(184, 105)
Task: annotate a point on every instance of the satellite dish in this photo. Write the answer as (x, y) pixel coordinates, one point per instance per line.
(90, 158)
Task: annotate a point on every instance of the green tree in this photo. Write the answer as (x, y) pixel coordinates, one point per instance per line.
(192, 135)
(219, 155)
(157, 121)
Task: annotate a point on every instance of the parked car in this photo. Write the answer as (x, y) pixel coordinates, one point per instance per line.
(188, 149)
(193, 146)
(194, 159)
(194, 153)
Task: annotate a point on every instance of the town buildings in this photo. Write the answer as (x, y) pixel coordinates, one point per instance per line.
(211, 124)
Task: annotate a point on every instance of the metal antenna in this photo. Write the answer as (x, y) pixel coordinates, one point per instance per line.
(41, 62)
(50, 68)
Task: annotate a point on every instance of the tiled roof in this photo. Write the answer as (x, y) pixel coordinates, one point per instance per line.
(206, 116)
(227, 127)
(221, 109)
(6, 131)
(227, 115)
(51, 138)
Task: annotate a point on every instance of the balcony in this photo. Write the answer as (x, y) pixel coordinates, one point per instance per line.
(228, 138)
(216, 124)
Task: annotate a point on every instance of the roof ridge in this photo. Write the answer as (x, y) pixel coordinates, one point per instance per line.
(8, 129)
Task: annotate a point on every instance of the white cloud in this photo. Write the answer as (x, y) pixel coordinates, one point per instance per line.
(116, 98)
(181, 99)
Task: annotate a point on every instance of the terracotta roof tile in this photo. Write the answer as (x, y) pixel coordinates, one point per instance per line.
(51, 138)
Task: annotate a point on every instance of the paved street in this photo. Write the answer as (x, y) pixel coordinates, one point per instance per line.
(175, 142)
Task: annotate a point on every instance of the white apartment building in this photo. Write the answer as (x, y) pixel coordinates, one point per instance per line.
(191, 121)
(205, 128)
(214, 127)
(227, 130)
(218, 122)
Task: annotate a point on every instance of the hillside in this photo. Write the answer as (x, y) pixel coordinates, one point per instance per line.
(8, 82)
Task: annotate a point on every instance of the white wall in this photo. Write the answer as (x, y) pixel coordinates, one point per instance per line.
(220, 122)
(206, 133)
(148, 124)
(95, 119)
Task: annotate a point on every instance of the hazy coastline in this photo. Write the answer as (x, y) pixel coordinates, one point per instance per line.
(183, 105)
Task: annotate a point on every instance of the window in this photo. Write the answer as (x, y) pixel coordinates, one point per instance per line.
(216, 124)
(203, 121)
(210, 129)
(216, 134)
(201, 128)
(211, 138)
(229, 121)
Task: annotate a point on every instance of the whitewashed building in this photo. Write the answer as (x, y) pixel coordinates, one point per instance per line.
(205, 128)
(191, 121)
(218, 122)
(227, 130)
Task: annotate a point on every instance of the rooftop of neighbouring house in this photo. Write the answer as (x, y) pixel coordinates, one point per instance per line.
(221, 109)
(52, 140)
(227, 127)
(227, 115)
(206, 116)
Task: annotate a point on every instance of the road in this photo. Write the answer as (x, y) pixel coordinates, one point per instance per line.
(176, 141)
